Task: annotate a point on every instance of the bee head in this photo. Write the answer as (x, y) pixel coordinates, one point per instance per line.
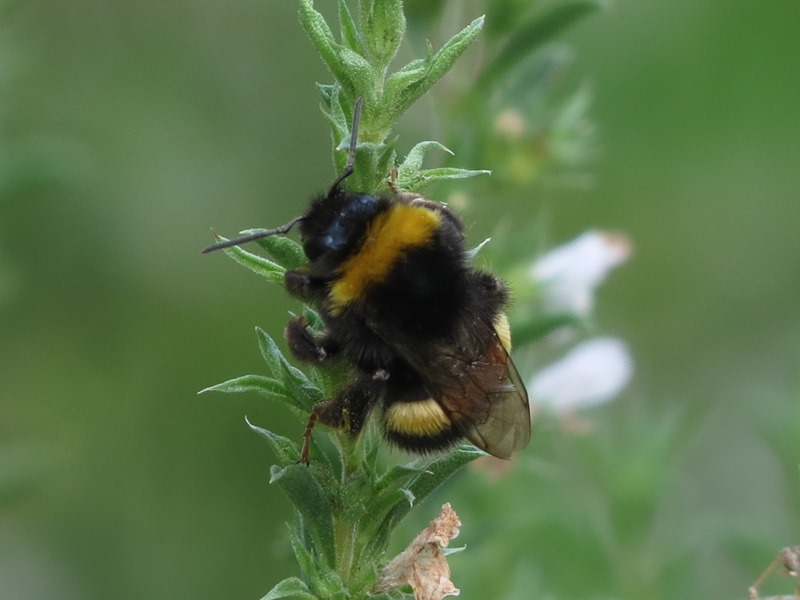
(336, 222)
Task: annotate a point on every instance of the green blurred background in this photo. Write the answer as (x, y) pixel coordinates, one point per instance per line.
(130, 128)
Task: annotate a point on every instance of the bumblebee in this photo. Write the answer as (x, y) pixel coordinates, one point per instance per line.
(423, 331)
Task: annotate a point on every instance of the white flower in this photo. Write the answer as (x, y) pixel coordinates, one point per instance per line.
(592, 373)
(570, 273)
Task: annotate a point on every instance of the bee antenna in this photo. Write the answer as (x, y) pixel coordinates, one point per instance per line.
(351, 156)
(261, 233)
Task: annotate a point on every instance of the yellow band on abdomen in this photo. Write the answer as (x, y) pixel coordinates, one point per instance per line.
(420, 419)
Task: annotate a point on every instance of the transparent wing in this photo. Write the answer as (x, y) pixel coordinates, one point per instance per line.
(481, 391)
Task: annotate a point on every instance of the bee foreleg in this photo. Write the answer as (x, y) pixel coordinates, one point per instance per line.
(307, 346)
(300, 284)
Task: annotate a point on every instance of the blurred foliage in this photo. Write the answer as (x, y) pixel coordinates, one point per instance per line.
(128, 129)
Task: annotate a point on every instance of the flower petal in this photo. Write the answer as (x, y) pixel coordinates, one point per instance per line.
(570, 273)
(592, 373)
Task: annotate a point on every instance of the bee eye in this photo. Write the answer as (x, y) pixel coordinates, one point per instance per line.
(344, 225)
(314, 247)
(330, 242)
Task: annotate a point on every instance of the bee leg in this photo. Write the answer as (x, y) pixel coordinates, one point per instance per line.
(312, 419)
(300, 284)
(348, 410)
(392, 183)
(329, 412)
(305, 345)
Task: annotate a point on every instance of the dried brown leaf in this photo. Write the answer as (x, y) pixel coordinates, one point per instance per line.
(423, 564)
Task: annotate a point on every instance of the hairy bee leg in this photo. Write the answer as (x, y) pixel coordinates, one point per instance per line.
(312, 420)
(349, 411)
(392, 183)
(305, 345)
(329, 412)
(300, 284)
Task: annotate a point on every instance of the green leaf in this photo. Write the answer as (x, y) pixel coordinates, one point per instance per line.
(271, 388)
(328, 49)
(411, 176)
(425, 477)
(284, 448)
(413, 160)
(427, 177)
(360, 75)
(379, 507)
(384, 162)
(257, 264)
(334, 114)
(304, 557)
(302, 389)
(409, 75)
(434, 473)
(383, 25)
(397, 474)
(441, 173)
(407, 85)
(315, 321)
(286, 252)
(312, 503)
(298, 385)
(291, 588)
(350, 34)
(328, 91)
(320, 34)
(325, 581)
(272, 355)
(532, 35)
(248, 383)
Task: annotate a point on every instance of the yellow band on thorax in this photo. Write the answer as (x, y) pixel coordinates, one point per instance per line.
(388, 236)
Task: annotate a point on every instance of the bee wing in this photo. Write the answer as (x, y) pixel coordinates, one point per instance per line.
(485, 398)
(478, 386)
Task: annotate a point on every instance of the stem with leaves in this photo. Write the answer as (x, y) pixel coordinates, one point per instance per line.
(346, 504)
